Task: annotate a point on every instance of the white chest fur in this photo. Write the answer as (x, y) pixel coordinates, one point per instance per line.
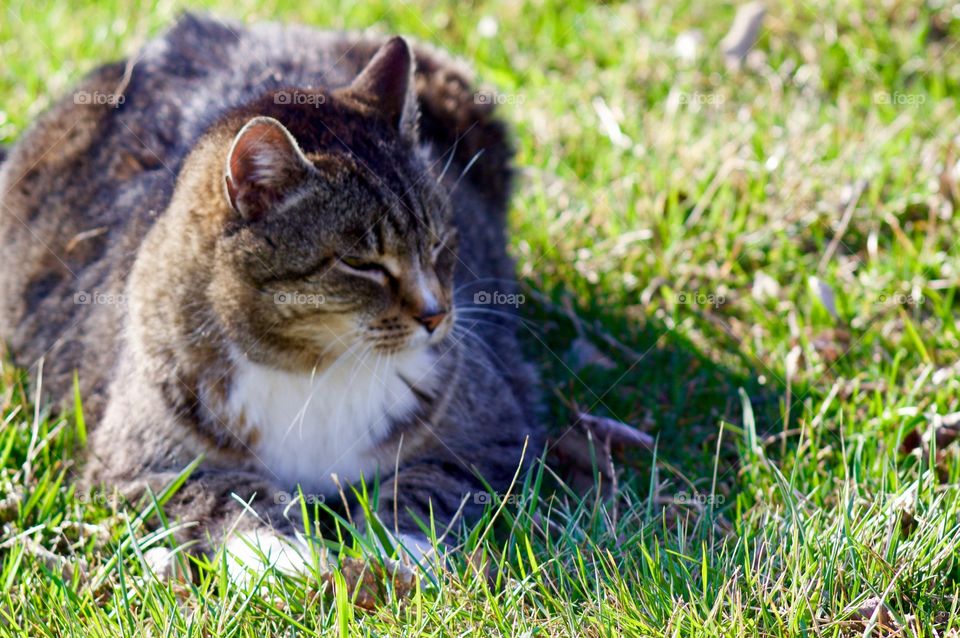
(313, 426)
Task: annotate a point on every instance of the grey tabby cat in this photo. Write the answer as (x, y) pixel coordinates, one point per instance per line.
(261, 245)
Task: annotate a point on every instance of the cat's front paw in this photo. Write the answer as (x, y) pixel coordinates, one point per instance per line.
(250, 554)
(414, 549)
(166, 564)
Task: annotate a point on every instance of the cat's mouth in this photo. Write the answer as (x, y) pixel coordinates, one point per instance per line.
(328, 341)
(394, 338)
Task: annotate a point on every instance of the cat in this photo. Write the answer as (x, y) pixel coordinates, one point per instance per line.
(262, 246)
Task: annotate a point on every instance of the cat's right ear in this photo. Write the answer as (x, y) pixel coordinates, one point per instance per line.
(387, 84)
(263, 165)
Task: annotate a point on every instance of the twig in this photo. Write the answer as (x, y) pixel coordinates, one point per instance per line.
(861, 186)
(615, 431)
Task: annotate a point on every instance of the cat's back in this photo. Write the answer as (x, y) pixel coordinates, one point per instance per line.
(86, 182)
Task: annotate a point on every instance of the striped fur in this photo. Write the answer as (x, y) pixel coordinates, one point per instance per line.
(205, 298)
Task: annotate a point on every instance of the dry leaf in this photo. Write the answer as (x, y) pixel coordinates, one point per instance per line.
(944, 429)
(949, 188)
(743, 33)
(593, 439)
(583, 353)
(831, 344)
(874, 607)
(366, 581)
(822, 291)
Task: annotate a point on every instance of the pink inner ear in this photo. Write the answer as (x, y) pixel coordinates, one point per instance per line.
(386, 81)
(264, 163)
(258, 155)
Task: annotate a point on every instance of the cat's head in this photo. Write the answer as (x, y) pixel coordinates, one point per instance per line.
(338, 236)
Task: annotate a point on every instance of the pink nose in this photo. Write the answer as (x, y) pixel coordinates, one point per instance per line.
(432, 320)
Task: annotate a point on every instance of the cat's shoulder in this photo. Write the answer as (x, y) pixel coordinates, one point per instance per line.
(457, 114)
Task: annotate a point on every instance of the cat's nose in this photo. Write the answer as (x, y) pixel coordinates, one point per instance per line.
(431, 319)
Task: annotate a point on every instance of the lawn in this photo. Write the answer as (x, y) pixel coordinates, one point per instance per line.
(752, 260)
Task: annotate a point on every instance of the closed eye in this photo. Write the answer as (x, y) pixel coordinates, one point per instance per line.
(364, 268)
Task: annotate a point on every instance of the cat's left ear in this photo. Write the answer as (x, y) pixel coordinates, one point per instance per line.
(387, 84)
(264, 164)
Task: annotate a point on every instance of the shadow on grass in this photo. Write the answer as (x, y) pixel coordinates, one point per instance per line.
(602, 361)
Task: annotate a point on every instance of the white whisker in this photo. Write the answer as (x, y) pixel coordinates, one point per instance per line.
(466, 334)
(301, 414)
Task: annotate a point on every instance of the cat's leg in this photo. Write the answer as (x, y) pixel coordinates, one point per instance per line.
(453, 476)
(431, 491)
(244, 520)
(249, 519)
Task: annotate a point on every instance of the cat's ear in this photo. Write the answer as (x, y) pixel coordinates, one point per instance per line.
(263, 165)
(387, 84)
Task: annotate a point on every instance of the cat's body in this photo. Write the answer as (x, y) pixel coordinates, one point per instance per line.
(190, 254)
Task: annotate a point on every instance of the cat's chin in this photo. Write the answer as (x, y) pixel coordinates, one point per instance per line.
(421, 339)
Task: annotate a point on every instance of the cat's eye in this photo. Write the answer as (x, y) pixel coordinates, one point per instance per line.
(364, 266)
(358, 263)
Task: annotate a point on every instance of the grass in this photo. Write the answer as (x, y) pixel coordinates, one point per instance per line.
(765, 261)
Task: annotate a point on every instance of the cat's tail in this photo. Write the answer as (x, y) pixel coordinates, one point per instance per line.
(459, 119)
